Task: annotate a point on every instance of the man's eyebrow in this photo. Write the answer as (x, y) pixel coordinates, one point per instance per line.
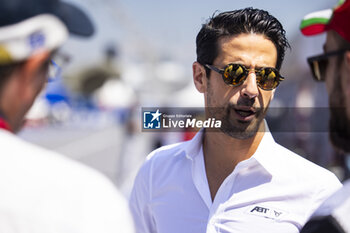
(242, 63)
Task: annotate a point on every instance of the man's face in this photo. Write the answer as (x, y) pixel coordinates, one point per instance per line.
(338, 88)
(241, 109)
(36, 71)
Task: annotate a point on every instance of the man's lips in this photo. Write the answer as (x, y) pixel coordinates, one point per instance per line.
(245, 113)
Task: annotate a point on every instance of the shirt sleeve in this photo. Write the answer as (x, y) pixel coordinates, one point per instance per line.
(140, 201)
(331, 186)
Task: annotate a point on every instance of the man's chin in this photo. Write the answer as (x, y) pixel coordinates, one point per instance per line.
(242, 130)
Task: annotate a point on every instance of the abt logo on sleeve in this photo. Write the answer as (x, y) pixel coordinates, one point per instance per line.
(265, 212)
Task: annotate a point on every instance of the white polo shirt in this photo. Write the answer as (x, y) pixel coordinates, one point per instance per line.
(275, 190)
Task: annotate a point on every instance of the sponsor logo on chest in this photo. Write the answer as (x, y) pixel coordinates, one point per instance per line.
(264, 211)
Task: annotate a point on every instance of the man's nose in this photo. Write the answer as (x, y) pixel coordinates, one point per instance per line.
(249, 87)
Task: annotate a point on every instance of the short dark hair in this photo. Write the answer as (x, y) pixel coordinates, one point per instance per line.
(232, 23)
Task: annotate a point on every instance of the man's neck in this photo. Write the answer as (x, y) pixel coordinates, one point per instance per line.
(222, 153)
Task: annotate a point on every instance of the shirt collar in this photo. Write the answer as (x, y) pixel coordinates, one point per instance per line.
(264, 155)
(193, 147)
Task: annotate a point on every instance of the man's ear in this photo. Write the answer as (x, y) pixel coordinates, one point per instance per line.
(199, 77)
(31, 78)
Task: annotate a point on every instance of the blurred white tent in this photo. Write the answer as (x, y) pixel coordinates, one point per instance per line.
(115, 94)
(188, 97)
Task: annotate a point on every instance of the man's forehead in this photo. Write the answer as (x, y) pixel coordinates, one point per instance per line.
(243, 48)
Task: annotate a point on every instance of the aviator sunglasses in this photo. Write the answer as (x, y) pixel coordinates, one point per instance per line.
(318, 64)
(267, 78)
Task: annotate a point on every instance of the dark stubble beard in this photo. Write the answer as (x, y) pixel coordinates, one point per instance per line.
(339, 124)
(233, 127)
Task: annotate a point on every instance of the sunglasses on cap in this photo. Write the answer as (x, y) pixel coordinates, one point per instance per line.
(318, 64)
(267, 78)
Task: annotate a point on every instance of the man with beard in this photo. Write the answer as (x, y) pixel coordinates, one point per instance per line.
(237, 178)
(333, 67)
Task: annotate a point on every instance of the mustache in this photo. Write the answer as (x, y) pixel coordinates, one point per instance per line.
(245, 103)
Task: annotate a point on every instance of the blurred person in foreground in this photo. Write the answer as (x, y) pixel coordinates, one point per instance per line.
(236, 178)
(41, 191)
(333, 67)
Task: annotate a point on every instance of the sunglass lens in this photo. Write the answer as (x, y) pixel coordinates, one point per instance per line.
(315, 69)
(322, 67)
(234, 74)
(318, 68)
(54, 71)
(268, 78)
